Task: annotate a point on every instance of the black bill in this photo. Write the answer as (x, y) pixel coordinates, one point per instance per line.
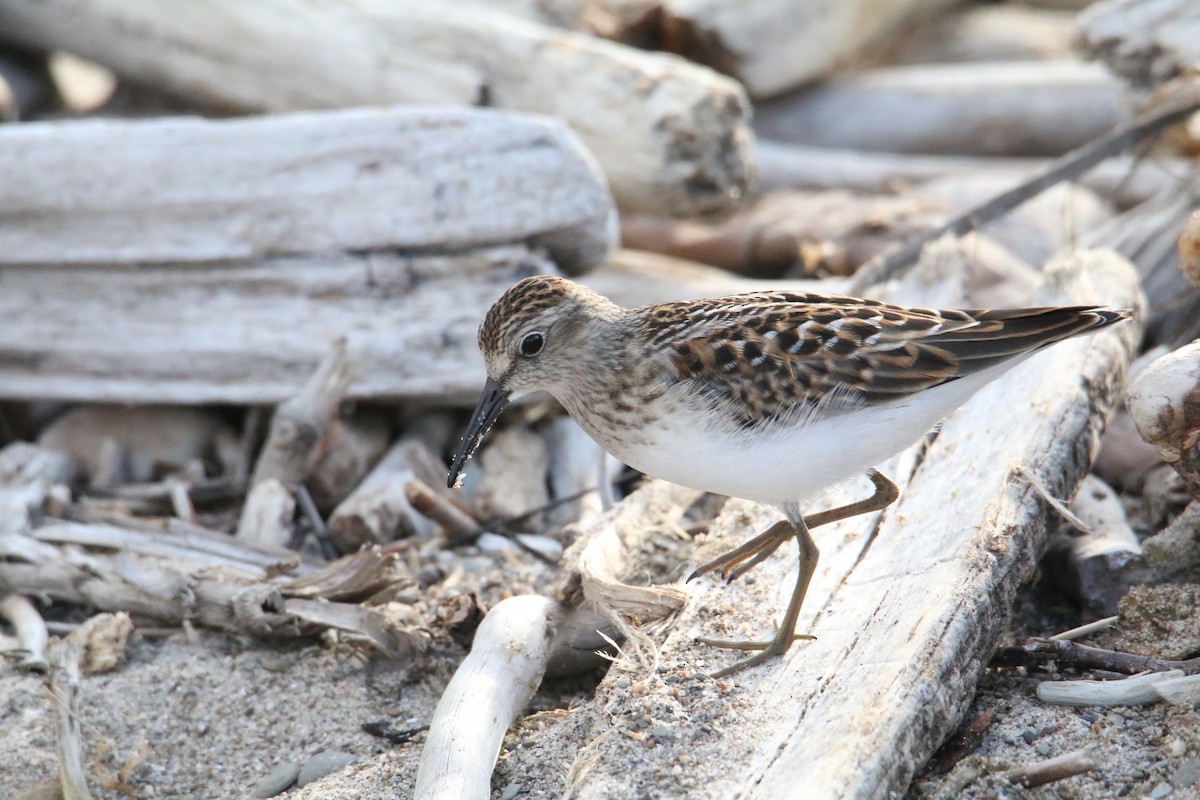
(494, 400)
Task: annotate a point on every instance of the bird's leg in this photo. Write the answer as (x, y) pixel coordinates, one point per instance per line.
(786, 633)
(737, 562)
(885, 494)
(756, 550)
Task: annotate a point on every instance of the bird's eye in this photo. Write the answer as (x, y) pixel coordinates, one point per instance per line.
(532, 344)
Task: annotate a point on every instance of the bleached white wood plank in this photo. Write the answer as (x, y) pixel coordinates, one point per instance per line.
(193, 190)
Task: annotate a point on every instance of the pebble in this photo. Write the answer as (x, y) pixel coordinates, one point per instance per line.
(661, 731)
(322, 764)
(277, 663)
(1161, 791)
(1028, 735)
(277, 780)
(1176, 748)
(1042, 748)
(511, 791)
(1187, 775)
(622, 682)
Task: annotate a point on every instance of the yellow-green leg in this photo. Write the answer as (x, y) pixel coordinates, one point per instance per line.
(737, 562)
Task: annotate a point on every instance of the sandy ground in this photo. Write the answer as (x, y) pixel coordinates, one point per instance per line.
(209, 716)
(212, 716)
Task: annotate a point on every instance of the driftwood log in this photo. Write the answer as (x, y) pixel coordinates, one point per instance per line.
(111, 333)
(769, 46)
(671, 136)
(1123, 181)
(985, 32)
(906, 606)
(190, 190)
(1146, 42)
(1015, 109)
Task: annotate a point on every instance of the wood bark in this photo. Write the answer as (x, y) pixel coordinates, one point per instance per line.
(1011, 109)
(109, 333)
(906, 605)
(671, 136)
(199, 191)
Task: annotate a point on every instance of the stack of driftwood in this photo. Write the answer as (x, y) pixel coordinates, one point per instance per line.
(244, 250)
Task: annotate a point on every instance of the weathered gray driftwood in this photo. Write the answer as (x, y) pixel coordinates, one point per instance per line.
(1124, 181)
(670, 135)
(1146, 42)
(905, 605)
(768, 45)
(192, 190)
(207, 578)
(1030, 108)
(1002, 32)
(253, 332)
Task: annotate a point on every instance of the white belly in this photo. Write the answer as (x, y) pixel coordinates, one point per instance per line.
(790, 464)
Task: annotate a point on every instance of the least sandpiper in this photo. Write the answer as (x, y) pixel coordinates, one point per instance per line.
(769, 396)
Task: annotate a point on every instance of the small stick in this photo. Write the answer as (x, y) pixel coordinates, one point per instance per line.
(425, 501)
(500, 523)
(1068, 765)
(1136, 690)
(1082, 656)
(63, 686)
(1058, 505)
(490, 688)
(1085, 630)
(181, 501)
(890, 265)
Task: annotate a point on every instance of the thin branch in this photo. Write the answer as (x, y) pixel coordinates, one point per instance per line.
(1068, 765)
(1037, 651)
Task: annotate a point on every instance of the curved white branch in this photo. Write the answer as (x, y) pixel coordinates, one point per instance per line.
(489, 690)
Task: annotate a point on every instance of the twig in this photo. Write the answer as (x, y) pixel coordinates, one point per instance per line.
(302, 419)
(1058, 768)
(455, 522)
(890, 265)
(63, 686)
(1085, 630)
(1082, 656)
(1136, 690)
(1058, 505)
(500, 523)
